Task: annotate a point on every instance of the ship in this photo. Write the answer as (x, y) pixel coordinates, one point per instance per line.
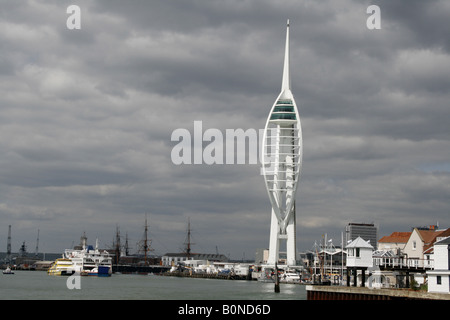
(89, 261)
(84, 260)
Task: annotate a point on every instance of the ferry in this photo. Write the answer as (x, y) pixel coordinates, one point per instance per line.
(83, 260)
(88, 261)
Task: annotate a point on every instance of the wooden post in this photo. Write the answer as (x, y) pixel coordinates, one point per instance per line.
(277, 280)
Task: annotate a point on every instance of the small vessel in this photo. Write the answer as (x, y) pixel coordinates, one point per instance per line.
(8, 270)
(61, 267)
(290, 277)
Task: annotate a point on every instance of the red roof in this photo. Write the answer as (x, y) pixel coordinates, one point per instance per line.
(396, 237)
(429, 237)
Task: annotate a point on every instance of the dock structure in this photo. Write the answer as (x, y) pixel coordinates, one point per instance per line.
(361, 293)
(182, 274)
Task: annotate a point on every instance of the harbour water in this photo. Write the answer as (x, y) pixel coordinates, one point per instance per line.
(37, 285)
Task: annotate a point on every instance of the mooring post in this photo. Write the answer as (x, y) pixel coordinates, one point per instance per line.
(277, 280)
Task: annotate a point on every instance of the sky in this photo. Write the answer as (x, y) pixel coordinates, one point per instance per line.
(87, 115)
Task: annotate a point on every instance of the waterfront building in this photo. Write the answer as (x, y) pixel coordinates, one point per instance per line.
(261, 256)
(439, 278)
(359, 253)
(281, 166)
(419, 243)
(174, 259)
(359, 257)
(394, 242)
(367, 231)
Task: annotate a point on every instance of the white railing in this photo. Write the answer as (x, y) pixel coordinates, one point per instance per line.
(404, 263)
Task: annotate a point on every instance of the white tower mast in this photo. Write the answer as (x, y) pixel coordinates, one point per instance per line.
(282, 162)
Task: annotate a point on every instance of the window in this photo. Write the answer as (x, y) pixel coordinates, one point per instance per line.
(438, 280)
(357, 252)
(284, 101)
(283, 116)
(284, 109)
(414, 245)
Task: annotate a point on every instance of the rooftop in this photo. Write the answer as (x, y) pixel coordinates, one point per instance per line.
(359, 243)
(396, 237)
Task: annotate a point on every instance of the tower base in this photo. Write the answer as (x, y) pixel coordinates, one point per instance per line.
(276, 237)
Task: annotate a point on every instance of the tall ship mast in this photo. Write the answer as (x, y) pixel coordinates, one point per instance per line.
(188, 242)
(145, 243)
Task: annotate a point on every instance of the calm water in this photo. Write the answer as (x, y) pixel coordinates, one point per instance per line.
(38, 285)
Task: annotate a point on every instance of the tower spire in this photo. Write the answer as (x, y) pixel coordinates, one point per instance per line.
(286, 84)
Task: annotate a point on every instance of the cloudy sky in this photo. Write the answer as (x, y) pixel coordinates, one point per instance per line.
(86, 118)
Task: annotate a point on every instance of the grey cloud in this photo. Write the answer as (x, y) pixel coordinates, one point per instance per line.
(87, 116)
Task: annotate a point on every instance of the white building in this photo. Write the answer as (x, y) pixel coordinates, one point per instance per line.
(439, 278)
(394, 242)
(359, 254)
(174, 259)
(359, 258)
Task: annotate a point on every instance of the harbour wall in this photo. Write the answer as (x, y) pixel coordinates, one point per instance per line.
(362, 293)
(207, 275)
(139, 269)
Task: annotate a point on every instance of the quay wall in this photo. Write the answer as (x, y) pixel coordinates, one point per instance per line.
(359, 293)
(206, 275)
(139, 269)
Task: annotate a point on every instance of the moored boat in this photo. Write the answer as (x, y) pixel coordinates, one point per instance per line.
(83, 260)
(290, 277)
(88, 261)
(8, 271)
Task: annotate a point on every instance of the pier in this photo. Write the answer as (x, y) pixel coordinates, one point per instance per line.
(362, 293)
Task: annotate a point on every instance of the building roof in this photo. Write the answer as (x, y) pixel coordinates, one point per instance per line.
(429, 237)
(396, 237)
(445, 241)
(359, 243)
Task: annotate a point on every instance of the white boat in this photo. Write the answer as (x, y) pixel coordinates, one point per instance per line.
(83, 260)
(290, 277)
(8, 271)
(90, 261)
